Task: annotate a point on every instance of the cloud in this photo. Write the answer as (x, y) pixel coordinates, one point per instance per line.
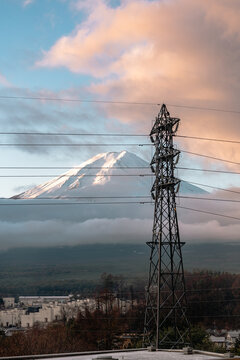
(4, 81)
(55, 233)
(27, 2)
(49, 117)
(106, 231)
(47, 225)
(210, 232)
(87, 6)
(177, 51)
(22, 188)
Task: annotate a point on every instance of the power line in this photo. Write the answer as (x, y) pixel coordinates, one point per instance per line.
(214, 316)
(208, 139)
(119, 293)
(208, 212)
(72, 144)
(89, 197)
(110, 203)
(116, 102)
(210, 157)
(94, 144)
(123, 317)
(71, 134)
(212, 187)
(214, 301)
(65, 175)
(208, 170)
(16, 203)
(125, 197)
(164, 291)
(77, 100)
(94, 175)
(208, 199)
(214, 289)
(75, 167)
(113, 135)
(108, 167)
(204, 108)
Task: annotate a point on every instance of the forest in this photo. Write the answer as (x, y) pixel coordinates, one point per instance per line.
(213, 302)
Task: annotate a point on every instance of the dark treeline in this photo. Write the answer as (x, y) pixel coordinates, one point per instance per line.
(213, 299)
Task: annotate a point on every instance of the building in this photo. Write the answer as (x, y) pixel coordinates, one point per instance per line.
(45, 309)
(140, 355)
(9, 302)
(47, 314)
(232, 336)
(39, 300)
(11, 317)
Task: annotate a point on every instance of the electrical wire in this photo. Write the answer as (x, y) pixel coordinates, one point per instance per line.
(71, 134)
(117, 102)
(212, 187)
(208, 199)
(213, 289)
(79, 176)
(213, 316)
(208, 212)
(95, 144)
(74, 167)
(72, 144)
(125, 197)
(113, 135)
(204, 108)
(209, 157)
(110, 203)
(207, 170)
(208, 139)
(16, 203)
(77, 100)
(108, 167)
(125, 292)
(89, 197)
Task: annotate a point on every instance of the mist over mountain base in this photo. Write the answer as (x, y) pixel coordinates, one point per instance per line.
(63, 270)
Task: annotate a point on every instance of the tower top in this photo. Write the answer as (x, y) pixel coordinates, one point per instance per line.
(163, 111)
(164, 122)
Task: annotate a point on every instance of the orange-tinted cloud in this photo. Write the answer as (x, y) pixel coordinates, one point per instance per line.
(177, 51)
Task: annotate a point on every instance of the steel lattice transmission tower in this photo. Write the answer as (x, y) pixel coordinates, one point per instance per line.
(166, 324)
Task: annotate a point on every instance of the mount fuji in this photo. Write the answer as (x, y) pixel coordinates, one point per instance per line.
(110, 174)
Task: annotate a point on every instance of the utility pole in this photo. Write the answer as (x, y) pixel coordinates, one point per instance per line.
(166, 324)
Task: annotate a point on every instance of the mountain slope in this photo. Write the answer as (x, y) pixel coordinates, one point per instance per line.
(103, 175)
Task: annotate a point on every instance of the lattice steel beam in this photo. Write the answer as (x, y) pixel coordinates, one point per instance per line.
(166, 324)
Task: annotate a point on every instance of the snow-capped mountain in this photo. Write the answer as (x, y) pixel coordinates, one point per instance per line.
(103, 175)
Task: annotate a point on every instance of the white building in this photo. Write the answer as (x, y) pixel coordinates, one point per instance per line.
(45, 315)
(39, 300)
(9, 302)
(54, 308)
(232, 336)
(219, 341)
(11, 317)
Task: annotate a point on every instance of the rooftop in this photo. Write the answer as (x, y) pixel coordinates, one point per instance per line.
(141, 355)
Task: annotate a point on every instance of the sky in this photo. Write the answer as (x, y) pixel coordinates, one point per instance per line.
(180, 52)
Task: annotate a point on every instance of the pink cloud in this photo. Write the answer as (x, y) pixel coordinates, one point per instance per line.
(4, 81)
(27, 2)
(176, 51)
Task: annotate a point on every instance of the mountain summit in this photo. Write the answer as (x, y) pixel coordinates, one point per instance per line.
(106, 174)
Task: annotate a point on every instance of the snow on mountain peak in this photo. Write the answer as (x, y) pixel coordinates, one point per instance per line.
(91, 176)
(111, 160)
(84, 175)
